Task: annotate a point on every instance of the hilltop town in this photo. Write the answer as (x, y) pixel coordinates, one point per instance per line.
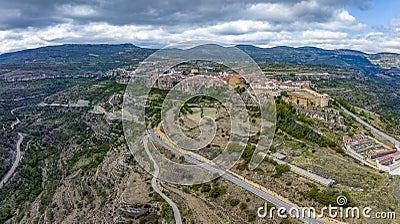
(319, 151)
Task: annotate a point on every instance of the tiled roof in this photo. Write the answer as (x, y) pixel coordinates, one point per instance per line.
(384, 158)
(382, 152)
(347, 138)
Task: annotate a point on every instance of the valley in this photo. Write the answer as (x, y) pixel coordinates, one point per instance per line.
(76, 163)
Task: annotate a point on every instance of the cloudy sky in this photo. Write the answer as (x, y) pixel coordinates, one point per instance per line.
(367, 25)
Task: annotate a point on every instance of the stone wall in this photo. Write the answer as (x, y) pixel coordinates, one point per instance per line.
(307, 97)
(319, 113)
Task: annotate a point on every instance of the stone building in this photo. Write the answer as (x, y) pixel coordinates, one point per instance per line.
(307, 97)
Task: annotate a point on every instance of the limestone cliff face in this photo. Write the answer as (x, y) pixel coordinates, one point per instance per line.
(23, 77)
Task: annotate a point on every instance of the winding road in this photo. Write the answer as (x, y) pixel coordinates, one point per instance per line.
(177, 214)
(18, 156)
(242, 183)
(15, 123)
(15, 164)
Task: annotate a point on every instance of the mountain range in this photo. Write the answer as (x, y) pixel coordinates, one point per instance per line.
(79, 59)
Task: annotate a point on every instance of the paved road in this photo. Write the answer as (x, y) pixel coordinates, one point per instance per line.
(17, 108)
(389, 138)
(177, 214)
(267, 197)
(15, 164)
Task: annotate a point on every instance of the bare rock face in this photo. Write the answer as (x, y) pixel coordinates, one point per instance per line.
(136, 210)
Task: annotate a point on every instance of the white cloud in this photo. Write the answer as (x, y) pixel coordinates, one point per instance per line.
(241, 32)
(77, 10)
(395, 22)
(240, 27)
(320, 23)
(269, 11)
(343, 20)
(323, 35)
(303, 14)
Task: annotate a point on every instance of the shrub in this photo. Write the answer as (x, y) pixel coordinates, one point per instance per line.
(186, 190)
(217, 191)
(243, 205)
(280, 169)
(205, 188)
(251, 217)
(234, 202)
